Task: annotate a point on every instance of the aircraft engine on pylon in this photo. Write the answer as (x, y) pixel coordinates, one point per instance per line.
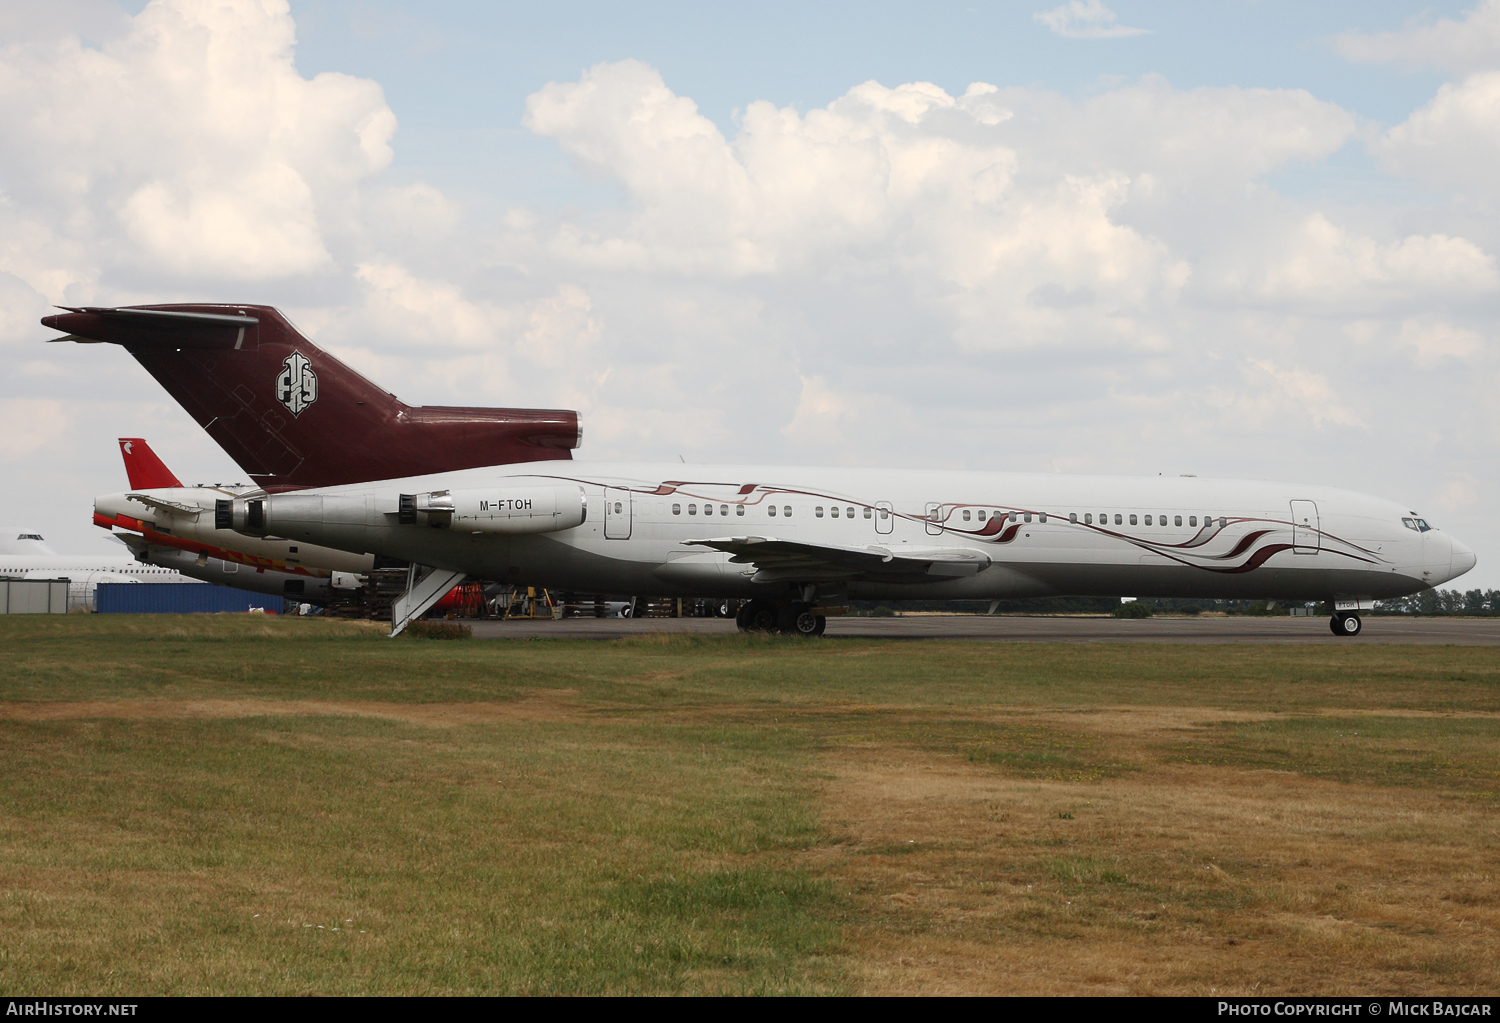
(500, 509)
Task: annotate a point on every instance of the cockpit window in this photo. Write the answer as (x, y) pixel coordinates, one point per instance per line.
(29, 536)
(1420, 525)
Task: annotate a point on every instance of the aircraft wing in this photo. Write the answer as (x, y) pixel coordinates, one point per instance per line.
(778, 560)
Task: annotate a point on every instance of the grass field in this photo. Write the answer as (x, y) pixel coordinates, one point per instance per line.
(244, 805)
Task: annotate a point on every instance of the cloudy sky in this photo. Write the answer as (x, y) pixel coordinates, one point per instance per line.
(1248, 239)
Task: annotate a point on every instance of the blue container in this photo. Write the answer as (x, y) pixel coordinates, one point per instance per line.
(178, 599)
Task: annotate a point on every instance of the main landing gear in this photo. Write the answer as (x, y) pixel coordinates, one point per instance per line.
(794, 619)
(1343, 623)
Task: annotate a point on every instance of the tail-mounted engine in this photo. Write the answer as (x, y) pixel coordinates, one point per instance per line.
(508, 510)
(497, 510)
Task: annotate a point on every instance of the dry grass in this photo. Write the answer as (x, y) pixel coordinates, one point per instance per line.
(1170, 880)
(225, 805)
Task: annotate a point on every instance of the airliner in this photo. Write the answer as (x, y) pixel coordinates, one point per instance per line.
(25, 554)
(794, 543)
(168, 524)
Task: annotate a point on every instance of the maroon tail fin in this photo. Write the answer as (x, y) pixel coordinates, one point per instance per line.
(144, 470)
(293, 416)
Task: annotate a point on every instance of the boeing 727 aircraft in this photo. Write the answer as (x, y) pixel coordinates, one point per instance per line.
(799, 542)
(796, 541)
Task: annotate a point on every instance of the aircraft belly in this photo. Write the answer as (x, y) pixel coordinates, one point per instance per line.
(1269, 582)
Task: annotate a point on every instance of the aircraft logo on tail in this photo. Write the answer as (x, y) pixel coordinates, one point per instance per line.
(297, 385)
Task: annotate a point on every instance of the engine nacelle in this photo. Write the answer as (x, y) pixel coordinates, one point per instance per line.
(287, 514)
(498, 509)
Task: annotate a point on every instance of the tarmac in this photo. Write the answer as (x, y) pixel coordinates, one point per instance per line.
(1039, 629)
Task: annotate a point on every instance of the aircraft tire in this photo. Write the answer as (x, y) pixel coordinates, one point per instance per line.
(759, 616)
(1345, 625)
(797, 619)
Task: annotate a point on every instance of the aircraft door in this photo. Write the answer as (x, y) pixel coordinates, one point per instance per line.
(1306, 538)
(616, 513)
(885, 517)
(934, 518)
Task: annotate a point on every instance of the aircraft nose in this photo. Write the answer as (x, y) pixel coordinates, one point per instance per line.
(1463, 559)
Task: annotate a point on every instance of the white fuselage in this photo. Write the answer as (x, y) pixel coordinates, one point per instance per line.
(682, 530)
(84, 568)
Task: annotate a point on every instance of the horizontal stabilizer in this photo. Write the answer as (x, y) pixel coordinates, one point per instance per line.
(170, 507)
(146, 327)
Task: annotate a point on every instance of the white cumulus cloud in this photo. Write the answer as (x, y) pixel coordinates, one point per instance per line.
(1458, 46)
(1086, 19)
(1452, 140)
(188, 145)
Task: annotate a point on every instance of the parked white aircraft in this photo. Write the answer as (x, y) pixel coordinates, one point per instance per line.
(797, 541)
(23, 540)
(26, 555)
(170, 525)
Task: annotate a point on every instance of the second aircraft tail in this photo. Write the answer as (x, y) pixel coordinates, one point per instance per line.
(293, 416)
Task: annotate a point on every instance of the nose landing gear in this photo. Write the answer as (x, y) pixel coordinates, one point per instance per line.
(1345, 624)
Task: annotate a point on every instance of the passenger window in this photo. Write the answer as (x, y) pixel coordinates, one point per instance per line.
(1132, 520)
(834, 511)
(885, 513)
(867, 513)
(1072, 516)
(966, 515)
(1014, 516)
(1148, 520)
(818, 511)
(676, 509)
(981, 515)
(739, 509)
(692, 509)
(1176, 520)
(708, 509)
(849, 512)
(1223, 522)
(1088, 518)
(1028, 516)
(1192, 520)
(1042, 517)
(786, 510)
(771, 510)
(723, 509)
